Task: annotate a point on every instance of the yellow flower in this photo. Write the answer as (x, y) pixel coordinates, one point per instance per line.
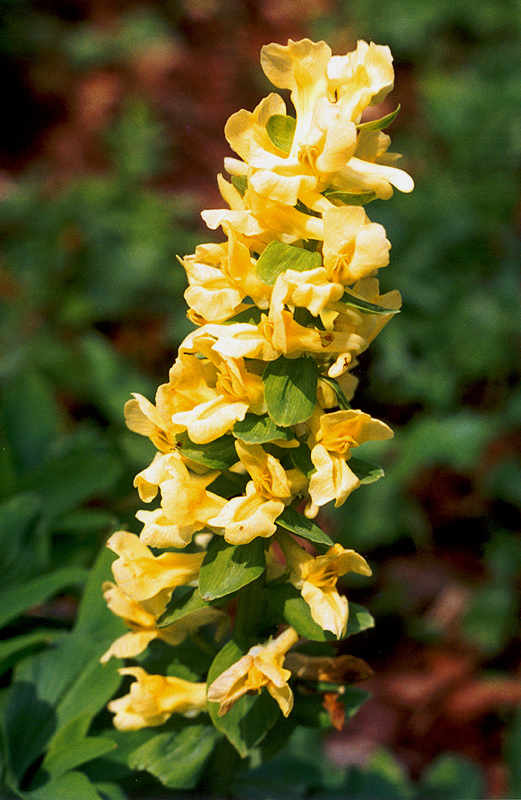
(141, 575)
(154, 698)
(329, 95)
(186, 505)
(339, 431)
(271, 488)
(334, 435)
(316, 578)
(353, 245)
(142, 618)
(261, 666)
(332, 480)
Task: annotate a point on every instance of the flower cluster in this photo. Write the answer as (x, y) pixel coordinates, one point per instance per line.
(254, 430)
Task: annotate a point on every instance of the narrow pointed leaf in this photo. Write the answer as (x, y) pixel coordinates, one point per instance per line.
(379, 124)
(291, 520)
(348, 199)
(363, 305)
(290, 389)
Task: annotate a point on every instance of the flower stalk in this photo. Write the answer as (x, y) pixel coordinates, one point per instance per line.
(254, 429)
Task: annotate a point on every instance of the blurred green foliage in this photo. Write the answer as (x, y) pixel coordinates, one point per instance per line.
(87, 260)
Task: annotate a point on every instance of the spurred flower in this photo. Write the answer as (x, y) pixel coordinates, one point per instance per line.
(152, 699)
(261, 666)
(316, 578)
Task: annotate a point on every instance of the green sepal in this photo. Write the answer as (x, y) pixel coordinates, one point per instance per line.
(251, 717)
(227, 567)
(250, 316)
(281, 130)
(291, 520)
(290, 389)
(240, 182)
(349, 199)
(364, 471)
(379, 124)
(255, 429)
(343, 402)
(180, 607)
(278, 257)
(219, 454)
(363, 305)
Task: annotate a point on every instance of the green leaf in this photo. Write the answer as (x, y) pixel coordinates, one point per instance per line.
(359, 619)
(348, 199)
(14, 601)
(289, 604)
(291, 520)
(255, 429)
(364, 471)
(31, 417)
(241, 183)
(278, 257)
(71, 479)
(178, 608)
(281, 129)
(250, 718)
(363, 305)
(383, 777)
(18, 646)
(452, 776)
(290, 389)
(219, 454)
(24, 538)
(301, 458)
(72, 754)
(228, 484)
(53, 687)
(177, 759)
(227, 568)
(379, 124)
(70, 786)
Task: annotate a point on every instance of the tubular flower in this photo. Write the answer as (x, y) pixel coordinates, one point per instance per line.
(142, 618)
(261, 666)
(141, 575)
(316, 579)
(153, 699)
(254, 430)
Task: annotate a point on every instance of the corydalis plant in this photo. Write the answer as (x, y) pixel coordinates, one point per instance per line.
(254, 429)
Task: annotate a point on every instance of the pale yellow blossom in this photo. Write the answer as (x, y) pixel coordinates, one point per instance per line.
(261, 666)
(142, 618)
(153, 699)
(141, 575)
(316, 578)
